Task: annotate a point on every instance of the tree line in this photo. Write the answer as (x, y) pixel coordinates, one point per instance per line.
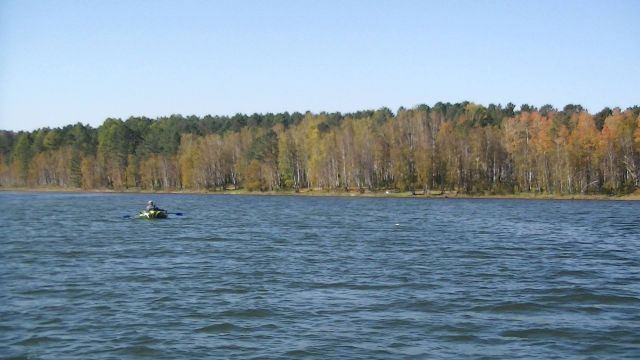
(462, 147)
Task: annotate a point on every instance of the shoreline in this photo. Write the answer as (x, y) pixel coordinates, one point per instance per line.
(324, 193)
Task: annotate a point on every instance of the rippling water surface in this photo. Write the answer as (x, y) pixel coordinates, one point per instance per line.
(325, 278)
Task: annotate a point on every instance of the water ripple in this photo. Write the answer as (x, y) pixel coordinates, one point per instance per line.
(287, 277)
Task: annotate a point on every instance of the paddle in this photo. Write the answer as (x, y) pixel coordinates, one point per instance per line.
(171, 213)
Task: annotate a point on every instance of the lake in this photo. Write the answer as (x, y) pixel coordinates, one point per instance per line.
(317, 277)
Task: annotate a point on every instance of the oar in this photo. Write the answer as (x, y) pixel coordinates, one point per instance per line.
(127, 216)
(171, 213)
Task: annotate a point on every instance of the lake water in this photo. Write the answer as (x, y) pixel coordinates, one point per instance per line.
(325, 278)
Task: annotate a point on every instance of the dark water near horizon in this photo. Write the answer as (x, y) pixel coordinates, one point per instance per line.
(324, 278)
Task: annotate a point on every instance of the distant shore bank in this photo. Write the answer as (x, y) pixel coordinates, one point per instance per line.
(353, 193)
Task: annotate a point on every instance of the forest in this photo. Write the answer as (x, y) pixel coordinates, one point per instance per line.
(462, 147)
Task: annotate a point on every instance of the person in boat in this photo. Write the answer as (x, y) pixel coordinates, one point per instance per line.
(152, 206)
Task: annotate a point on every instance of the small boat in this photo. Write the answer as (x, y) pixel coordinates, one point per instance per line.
(152, 214)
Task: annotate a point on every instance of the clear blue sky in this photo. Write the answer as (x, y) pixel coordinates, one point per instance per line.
(63, 62)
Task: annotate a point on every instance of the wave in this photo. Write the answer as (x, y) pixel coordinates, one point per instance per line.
(591, 298)
(512, 307)
(220, 328)
(555, 333)
(37, 340)
(248, 313)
